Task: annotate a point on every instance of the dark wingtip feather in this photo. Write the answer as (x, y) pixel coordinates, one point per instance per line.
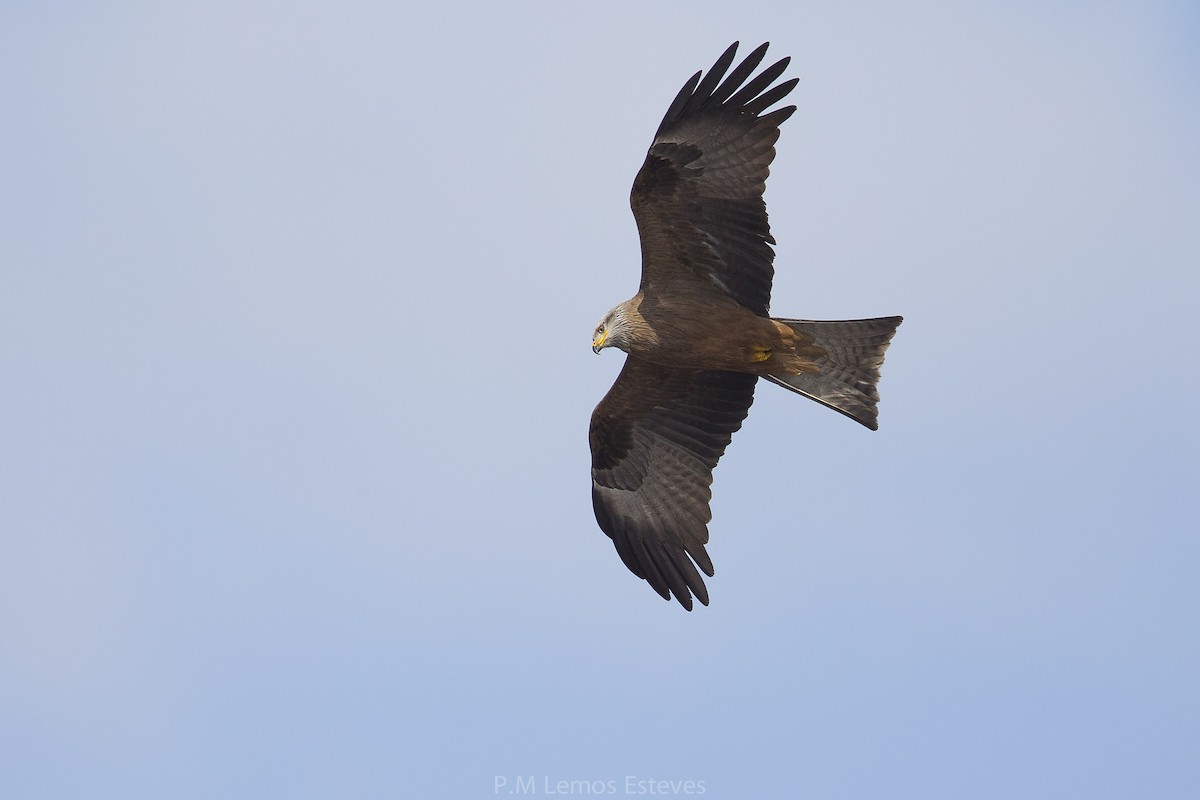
(779, 115)
(713, 89)
(760, 83)
(740, 73)
(704, 90)
(678, 104)
(771, 96)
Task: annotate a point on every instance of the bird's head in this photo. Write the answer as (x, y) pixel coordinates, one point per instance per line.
(612, 331)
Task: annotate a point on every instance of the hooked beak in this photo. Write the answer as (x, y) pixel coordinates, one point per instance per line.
(598, 342)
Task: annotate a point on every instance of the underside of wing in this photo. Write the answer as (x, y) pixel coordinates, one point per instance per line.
(655, 439)
(698, 198)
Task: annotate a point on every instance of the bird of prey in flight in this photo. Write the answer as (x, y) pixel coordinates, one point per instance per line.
(698, 334)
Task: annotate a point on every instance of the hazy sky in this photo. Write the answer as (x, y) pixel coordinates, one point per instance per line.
(295, 376)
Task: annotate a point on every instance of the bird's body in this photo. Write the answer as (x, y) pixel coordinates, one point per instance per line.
(698, 333)
(712, 332)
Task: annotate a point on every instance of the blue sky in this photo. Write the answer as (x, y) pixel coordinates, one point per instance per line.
(295, 316)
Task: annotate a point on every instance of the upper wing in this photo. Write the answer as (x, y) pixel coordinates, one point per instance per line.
(698, 198)
(655, 438)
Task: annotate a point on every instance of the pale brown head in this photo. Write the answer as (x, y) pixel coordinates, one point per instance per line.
(613, 330)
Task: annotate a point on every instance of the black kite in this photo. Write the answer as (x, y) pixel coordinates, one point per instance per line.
(698, 334)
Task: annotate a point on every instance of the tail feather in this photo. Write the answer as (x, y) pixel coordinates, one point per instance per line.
(849, 370)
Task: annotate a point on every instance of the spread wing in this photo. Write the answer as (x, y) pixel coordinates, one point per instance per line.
(655, 438)
(698, 198)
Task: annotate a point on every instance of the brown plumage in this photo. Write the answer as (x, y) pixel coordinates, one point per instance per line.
(698, 334)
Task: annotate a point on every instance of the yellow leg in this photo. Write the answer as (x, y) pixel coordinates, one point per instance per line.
(759, 353)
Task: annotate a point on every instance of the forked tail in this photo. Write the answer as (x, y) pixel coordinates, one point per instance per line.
(850, 367)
